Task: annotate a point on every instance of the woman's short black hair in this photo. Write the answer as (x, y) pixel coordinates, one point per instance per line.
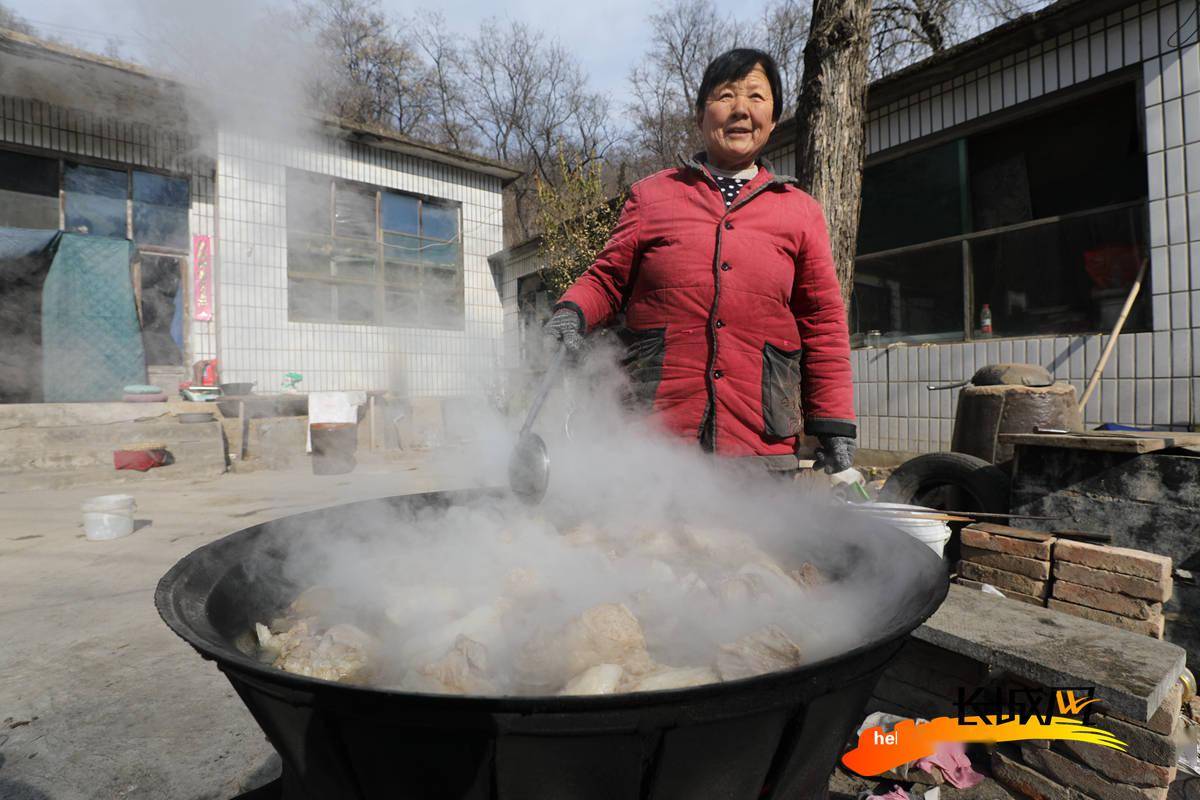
(733, 65)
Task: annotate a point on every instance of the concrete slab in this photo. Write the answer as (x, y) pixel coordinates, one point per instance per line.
(98, 698)
(1132, 673)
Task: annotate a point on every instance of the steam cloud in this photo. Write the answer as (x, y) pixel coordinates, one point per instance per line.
(649, 522)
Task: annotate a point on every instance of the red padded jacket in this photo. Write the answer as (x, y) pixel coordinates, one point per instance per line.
(735, 331)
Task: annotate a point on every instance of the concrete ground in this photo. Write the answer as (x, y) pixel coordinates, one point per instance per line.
(99, 700)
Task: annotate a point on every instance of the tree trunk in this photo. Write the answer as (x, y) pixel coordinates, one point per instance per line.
(830, 119)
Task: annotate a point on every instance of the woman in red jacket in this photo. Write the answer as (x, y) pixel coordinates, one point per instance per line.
(734, 325)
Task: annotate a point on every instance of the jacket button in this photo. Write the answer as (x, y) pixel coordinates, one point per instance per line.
(728, 224)
(720, 323)
(725, 267)
(717, 374)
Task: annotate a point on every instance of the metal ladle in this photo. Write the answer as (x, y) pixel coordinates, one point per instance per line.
(529, 464)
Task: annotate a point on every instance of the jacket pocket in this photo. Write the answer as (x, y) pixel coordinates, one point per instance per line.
(643, 363)
(781, 391)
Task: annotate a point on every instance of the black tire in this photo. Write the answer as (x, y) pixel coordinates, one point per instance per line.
(949, 481)
(981, 486)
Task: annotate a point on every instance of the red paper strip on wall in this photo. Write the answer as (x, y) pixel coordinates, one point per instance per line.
(202, 294)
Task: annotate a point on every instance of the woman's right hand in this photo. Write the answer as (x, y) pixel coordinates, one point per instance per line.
(566, 326)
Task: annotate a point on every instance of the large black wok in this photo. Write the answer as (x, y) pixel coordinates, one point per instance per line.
(773, 736)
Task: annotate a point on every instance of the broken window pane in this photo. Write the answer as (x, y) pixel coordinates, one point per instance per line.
(28, 191)
(310, 301)
(354, 212)
(399, 213)
(307, 202)
(95, 200)
(160, 210)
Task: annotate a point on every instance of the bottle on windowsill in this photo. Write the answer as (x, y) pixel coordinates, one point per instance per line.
(985, 320)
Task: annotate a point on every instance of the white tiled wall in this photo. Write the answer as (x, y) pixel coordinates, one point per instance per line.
(513, 270)
(1151, 378)
(71, 132)
(242, 206)
(258, 343)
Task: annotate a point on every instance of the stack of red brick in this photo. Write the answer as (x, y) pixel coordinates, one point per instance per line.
(1075, 770)
(1015, 561)
(1114, 585)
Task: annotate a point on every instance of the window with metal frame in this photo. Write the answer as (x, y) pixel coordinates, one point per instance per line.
(96, 198)
(1041, 220)
(362, 255)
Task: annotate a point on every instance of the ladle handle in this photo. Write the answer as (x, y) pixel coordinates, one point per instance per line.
(539, 399)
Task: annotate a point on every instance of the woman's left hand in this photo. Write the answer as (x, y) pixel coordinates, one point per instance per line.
(835, 454)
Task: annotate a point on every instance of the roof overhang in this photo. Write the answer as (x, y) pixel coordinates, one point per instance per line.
(1026, 31)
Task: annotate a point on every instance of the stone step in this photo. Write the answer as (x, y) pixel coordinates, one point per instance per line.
(24, 449)
(58, 415)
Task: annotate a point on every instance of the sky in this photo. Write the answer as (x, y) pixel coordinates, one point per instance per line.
(606, 47)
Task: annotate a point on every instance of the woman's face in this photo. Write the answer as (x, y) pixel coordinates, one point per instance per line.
(736, 120)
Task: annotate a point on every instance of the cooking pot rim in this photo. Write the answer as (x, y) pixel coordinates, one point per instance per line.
(212, 646)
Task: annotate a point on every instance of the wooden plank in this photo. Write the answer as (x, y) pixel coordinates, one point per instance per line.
(1006, 530)
(1108, 441)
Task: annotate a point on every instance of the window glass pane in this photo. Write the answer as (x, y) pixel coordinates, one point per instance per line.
(160, 210)
(95, 200)
(914, 296)
(28, 191)
(398, 213)
(401, 247)
(310, 300)
(356, 303)
(913, 199)
(309, 254)
(401, 274)
(400, 308)
(354, 259)
(1070, 276)
(441, 280)
(1046, 165)
(354, 212)
(439, 222)
(307, 202)
(438, 252)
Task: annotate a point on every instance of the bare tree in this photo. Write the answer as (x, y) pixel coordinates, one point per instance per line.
(448, 125)
(526, 100)
(784, 30)
(905, 31)
(375, 75)
(830, 116)
(13, 21)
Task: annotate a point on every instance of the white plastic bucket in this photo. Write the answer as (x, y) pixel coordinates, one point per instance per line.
(109, 516)
(931, 532)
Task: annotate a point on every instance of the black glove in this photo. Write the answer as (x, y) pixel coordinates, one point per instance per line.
(835, 454)
(566, 326)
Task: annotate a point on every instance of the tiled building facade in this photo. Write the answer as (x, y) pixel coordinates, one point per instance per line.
(238, 195)
(1153, 375)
